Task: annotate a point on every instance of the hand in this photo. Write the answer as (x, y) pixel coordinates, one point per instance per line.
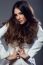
(12, 56)
(22, 53)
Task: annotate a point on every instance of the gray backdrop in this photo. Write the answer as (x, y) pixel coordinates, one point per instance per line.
(5, 13)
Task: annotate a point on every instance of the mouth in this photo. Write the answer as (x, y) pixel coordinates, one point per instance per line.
(20, 20)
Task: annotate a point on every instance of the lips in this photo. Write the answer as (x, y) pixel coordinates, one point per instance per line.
(20, 20)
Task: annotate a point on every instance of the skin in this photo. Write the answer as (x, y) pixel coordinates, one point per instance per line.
(12, 56)
(16, 55)
(22, 53)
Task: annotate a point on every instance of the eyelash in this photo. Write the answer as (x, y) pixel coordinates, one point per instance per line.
(16, 14)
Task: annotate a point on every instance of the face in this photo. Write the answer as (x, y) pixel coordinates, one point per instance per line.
(19, 16)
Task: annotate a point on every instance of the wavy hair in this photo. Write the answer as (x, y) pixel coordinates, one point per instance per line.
(22, 33)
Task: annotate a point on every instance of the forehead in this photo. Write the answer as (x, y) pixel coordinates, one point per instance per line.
(16, 11)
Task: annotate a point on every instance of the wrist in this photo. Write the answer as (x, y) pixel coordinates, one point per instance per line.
(27, 57)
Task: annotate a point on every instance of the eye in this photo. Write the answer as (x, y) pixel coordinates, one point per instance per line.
(20, 13)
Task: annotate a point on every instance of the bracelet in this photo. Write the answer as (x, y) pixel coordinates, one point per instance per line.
(27, 57)
(26, 60)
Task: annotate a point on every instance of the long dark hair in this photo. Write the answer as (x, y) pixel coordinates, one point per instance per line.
(22, 33)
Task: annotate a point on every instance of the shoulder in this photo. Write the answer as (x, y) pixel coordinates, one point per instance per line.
(40, 31)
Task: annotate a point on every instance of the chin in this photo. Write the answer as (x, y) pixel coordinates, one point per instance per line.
(22, 23)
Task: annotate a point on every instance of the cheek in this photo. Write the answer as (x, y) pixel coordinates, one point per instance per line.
(22, 17)
(16, 17)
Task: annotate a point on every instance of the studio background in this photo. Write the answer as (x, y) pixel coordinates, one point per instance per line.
(5, 13)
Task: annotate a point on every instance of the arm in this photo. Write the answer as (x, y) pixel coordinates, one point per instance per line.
(12, 53)
(3, 52)
(3, 30)
(38, 43)
(36, 47)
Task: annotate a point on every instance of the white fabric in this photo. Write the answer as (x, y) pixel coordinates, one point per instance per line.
(38, 43)
(3, 52)
(3, 30)
(20, 62)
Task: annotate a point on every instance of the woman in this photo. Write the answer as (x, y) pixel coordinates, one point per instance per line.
(24, 34)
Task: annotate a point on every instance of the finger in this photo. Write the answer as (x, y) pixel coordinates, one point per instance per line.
(20, 50)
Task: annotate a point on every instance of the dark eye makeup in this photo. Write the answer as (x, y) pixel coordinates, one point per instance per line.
(18, 13)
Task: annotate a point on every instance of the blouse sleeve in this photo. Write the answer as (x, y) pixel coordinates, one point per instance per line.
(3, 30)
(3, 52)
(37, 44)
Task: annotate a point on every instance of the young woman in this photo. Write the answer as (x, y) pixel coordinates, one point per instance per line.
(24, 34)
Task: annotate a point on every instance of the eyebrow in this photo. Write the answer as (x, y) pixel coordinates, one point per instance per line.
(18, 13)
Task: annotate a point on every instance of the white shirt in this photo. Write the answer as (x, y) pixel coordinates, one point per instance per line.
(3, 30)
(3, 52)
